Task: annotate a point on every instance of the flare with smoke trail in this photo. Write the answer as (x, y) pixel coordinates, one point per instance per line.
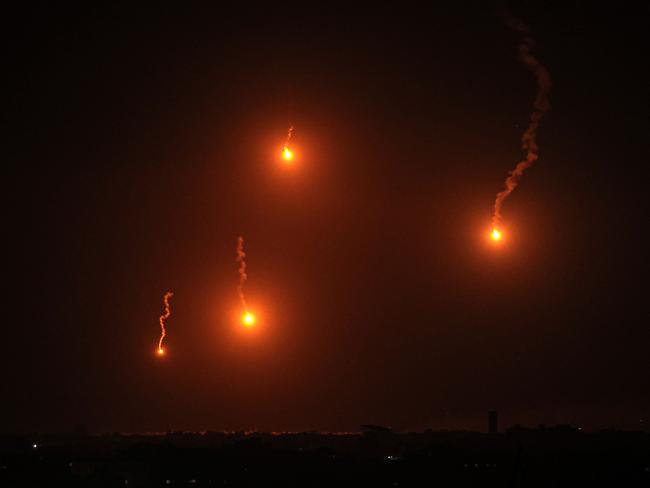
(162, 319)
(540, 107)
(241, 259)
(287, 154)
(248, 319)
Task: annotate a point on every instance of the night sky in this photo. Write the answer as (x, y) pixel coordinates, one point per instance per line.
(142, 143)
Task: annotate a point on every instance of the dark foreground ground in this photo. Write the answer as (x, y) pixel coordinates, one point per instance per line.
(548, 457)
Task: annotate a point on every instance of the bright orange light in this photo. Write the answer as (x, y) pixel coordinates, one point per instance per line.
(248, 319)
(287, 155)
(160, 351)
(496, 235)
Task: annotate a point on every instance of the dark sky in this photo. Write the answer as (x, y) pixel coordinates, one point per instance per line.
(141, 143)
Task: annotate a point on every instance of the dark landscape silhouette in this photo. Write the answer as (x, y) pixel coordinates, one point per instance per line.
(559, 455)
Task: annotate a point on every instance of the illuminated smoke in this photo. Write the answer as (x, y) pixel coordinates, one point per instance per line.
(540, 107)
(289, 134)
(286, 152)
(241, 259)
(162, 319)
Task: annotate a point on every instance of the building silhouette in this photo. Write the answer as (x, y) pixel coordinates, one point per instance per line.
(493, 422)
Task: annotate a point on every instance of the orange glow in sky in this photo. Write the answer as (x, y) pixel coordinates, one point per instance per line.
(160, 351)
(248, 319)
(496, 235)
(287, 155)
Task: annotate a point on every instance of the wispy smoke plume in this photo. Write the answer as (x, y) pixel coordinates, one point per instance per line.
(289, 134)
(164, 317)
(540, 107)
(241, 259)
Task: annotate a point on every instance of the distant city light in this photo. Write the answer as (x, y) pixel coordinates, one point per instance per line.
(34, 446)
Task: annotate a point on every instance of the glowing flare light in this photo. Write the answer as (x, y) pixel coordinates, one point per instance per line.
(496, 235)
(287, 155)
(248, 319)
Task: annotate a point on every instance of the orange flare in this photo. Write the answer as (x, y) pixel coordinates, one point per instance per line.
(248, 319)
(287, 155)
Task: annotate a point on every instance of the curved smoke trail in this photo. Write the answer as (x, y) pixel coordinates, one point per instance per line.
(164, 317)
(540, 107)
(289, 134)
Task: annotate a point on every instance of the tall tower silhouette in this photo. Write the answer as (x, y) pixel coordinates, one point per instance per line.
(493, 422)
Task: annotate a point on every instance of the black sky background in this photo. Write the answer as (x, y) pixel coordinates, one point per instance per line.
(142, 142)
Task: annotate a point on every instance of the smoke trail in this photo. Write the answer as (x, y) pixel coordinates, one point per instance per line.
(540, 107)
(162, 319)
(289, 134)
(241, 259)
(287, 155)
